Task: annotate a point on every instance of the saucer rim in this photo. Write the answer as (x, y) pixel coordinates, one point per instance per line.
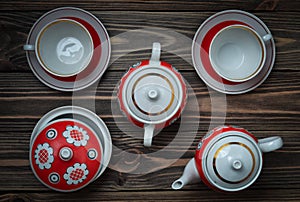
(270, 50)
(73, 87)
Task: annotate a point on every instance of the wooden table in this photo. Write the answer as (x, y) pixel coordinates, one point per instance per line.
(271, 109)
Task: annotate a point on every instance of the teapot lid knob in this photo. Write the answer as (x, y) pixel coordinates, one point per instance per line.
(65, 153)
(237, 164)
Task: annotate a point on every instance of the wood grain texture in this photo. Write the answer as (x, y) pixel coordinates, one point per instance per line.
(271, 109)
(17, 175)
(154, 5)
(249, 110)
(175, 36)
(199, 195)
(18, 89)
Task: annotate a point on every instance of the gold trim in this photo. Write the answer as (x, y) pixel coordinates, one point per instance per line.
(217, 153)
(261, 46)
(157, 113)
(45, 29)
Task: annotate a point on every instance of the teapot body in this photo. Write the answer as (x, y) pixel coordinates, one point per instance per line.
(228, 159)
(152, 94)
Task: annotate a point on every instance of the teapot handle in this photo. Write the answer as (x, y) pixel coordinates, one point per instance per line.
(148, 134)
(270, 144)
(155, 56)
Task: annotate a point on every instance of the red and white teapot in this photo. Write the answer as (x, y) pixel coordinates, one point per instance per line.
(228, 158)
(152, 94)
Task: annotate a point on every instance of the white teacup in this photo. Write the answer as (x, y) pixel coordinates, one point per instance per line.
(238, 53)
(63, 47)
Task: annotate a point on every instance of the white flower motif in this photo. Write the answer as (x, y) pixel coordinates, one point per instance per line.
(76, 135)
(76, 174)
(44, 156)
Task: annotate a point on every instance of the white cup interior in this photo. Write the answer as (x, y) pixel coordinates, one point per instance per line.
(237, 53)
(64, 47)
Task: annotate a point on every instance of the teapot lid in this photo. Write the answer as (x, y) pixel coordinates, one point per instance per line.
(151, 93)
(66, 155)
(234, 161)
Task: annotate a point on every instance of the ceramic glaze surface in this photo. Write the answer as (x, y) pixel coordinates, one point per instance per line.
(66, 155)
(85, 71)
(228, 158)
(237, 53)
(152, 94)
(68, 51)
(201, 51)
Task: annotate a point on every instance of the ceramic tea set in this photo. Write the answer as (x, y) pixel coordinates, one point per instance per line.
(68, 49)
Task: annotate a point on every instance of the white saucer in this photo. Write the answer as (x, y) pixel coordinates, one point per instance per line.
(100, 58)
(200, 51)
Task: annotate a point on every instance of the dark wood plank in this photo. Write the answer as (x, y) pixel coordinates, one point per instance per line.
(24, 100)
(18, 121)
(271, 109)
(279, 171)
(172, 29)
(154, 5)
(197, 195)
(249, 110)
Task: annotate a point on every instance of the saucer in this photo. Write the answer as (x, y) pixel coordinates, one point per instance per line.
(203, 39)
(100, 58)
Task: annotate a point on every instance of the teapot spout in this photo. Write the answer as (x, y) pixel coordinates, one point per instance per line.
(190, 175)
